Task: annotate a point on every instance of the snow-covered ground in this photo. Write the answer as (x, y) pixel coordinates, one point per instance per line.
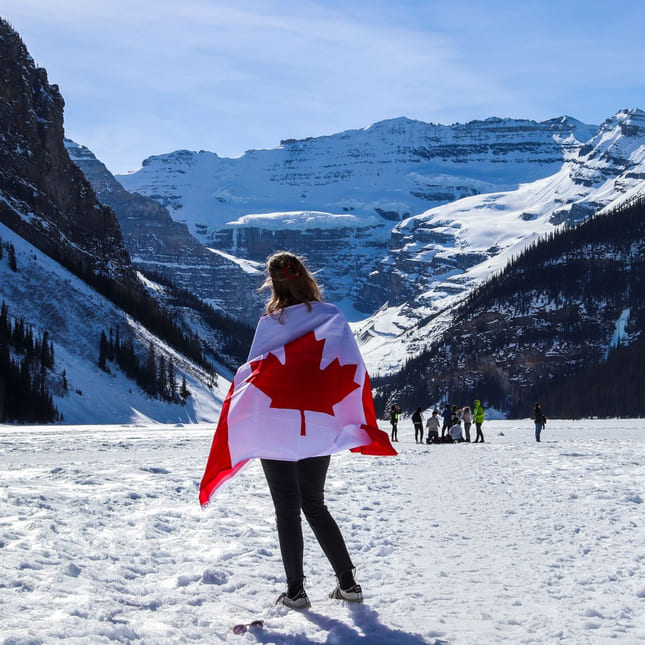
(102, 540)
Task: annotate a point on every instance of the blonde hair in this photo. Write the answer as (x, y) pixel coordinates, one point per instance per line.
(290, 282)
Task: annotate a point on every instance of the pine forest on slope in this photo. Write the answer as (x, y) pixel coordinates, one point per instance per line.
(562, 324)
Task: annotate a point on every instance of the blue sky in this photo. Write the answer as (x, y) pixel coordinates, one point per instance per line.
(144, 77)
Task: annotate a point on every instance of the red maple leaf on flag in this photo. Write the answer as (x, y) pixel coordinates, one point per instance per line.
(299, 383)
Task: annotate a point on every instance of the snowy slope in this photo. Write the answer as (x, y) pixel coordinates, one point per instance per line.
(103, 540)
(52, 299)
(447, 251)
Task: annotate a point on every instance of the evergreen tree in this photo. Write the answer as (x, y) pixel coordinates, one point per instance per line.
(5, 328)
(172, 380)
(184, 393)
(12, 258)
(149, 375)
(162, 378)
(103, 352)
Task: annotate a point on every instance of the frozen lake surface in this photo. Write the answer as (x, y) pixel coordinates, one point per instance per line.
(102, 540)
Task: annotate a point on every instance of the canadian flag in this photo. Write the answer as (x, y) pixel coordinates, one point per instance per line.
(304, 392)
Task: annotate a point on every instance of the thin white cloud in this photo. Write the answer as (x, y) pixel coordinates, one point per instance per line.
(228, 75)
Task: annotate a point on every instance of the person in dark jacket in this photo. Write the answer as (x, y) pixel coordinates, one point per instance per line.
(434, 425)
(417, 420)
(540, 420)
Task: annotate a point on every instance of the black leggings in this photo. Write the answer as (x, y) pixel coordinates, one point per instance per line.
(296, 485)
(480, 435)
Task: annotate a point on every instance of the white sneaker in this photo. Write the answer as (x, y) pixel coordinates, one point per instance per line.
(353, 594)
(299, 601)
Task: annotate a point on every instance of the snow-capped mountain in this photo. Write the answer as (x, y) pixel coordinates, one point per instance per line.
(403, 218)
(564, 324)
(337, 199)
(450, 249)
(383, 173)
(160, 245)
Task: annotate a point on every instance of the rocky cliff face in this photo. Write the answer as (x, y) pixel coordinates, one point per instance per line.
(43, 196)
(391, 170)
(159, 244)
(443, 245)
(369, 183)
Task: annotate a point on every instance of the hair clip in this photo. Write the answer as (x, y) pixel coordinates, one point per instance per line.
(293, 268)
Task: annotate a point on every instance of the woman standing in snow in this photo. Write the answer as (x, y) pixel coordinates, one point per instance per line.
(303, 394)
(468, 421)
(297, 485)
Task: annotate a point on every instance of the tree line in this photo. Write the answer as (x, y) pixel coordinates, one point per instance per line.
(237, 336)
(153, 374)
(26, 361)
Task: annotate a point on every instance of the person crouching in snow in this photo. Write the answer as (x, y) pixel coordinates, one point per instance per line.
(303, 394)
(455, 430)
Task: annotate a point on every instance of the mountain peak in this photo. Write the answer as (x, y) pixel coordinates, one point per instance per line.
(626, 116)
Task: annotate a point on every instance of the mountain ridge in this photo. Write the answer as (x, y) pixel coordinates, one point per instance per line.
(402, 221)
(387, 266)
(66, 278)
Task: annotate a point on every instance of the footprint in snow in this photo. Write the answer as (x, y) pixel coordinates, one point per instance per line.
(155, 470)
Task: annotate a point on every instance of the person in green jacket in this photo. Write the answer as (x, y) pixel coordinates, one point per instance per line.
(478, 418)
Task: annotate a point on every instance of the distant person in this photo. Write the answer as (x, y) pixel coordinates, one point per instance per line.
(433, 425)
(394, 420)
(478, 418)
(467, 418)
(417, 420)
(455, 430)
(540, 420)
(447, 415)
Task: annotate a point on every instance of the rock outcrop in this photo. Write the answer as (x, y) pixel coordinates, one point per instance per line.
(44, 197)
(158, 244)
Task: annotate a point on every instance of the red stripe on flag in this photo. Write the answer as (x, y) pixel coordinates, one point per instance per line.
(380, 441)
(219, 468)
